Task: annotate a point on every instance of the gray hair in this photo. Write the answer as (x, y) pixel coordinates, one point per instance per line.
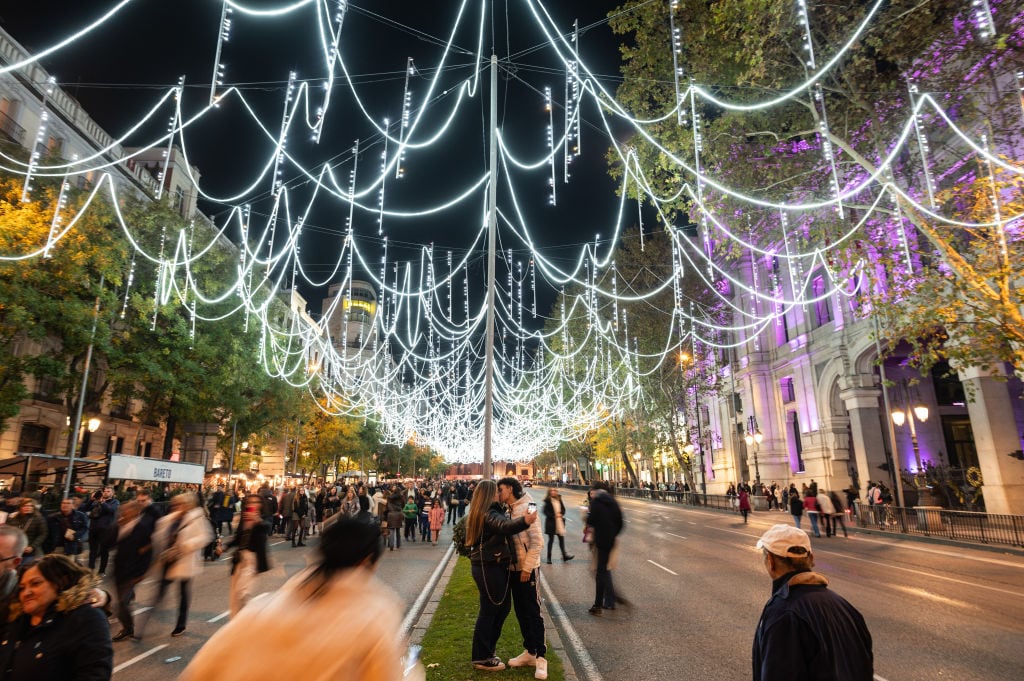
(20, 538)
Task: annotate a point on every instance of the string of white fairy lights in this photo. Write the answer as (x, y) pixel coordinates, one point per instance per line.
(418, 369)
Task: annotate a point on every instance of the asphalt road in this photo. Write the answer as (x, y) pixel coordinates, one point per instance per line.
(159, 656)
(697, 585)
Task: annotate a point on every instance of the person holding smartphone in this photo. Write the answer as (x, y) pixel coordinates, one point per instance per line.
(525, 569)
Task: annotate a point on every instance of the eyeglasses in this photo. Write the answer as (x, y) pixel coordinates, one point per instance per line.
(4, 560)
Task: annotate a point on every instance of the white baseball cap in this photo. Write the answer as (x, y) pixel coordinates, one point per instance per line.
(785, 540)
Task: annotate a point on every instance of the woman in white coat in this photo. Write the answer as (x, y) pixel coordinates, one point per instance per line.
(177, 541)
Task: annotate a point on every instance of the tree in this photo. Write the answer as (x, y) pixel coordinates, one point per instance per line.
(748, 51)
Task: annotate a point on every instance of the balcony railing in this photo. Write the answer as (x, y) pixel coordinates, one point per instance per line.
(11, 128)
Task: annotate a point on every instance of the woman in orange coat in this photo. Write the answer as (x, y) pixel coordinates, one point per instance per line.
(436, 519)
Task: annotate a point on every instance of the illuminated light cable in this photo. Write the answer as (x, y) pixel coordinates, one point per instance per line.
(172, 126)
(983, 19)
(403, 132)
(62, 203)
(676, 34)
(922, 144)
(332, 60)
(380, 192)
(223, 36)
(552, 182)
(40, 141)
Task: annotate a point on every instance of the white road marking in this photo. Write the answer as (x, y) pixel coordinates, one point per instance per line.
(138, 658)
(219, 617)
(583, 662)
(676, 535)
(932, 575)
(417, 607)
(923, 593)
(141, 610)
(662, 567)
(278, 543)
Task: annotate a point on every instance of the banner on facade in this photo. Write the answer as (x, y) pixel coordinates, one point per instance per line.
(124, 467)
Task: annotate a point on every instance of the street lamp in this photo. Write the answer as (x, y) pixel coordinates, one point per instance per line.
(754, 437)
(918, 412)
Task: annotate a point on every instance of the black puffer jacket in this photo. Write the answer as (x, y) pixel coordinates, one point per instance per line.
(72, 643)
(493, 543)
(808, 633)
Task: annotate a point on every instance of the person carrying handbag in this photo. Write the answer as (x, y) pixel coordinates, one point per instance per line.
(487, 533)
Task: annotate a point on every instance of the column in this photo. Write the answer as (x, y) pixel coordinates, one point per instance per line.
(995, 436)
(860, 395)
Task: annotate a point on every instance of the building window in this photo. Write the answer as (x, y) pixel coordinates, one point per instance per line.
(33, 438)
(787, 390)
(55, 146)
(823, 303)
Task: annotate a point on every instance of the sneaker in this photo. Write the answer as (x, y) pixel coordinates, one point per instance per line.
(541, 672)
(566, 559)
(525, 659)
(493, 664)
(178, 631)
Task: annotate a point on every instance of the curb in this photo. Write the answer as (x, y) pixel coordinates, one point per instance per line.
(422, 612)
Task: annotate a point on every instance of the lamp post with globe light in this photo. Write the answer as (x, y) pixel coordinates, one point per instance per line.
(910, 415)
(754, 438)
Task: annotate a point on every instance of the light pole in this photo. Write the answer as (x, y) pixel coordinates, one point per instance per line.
(919, 412)
(754, 437)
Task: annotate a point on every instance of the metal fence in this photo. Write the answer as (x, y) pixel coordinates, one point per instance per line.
(925, 521)
(933, 521)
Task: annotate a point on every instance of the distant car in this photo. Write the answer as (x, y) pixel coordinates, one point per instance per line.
(527, 483)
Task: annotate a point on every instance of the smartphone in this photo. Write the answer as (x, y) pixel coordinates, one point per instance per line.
(531, 507)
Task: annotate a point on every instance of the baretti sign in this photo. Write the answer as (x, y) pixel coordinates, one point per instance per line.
(124, 467)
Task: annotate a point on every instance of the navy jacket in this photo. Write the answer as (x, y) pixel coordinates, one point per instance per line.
(808, 633)
(134, 550)
(605, 517)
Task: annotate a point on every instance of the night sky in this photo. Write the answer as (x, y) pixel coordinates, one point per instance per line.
(118, 71)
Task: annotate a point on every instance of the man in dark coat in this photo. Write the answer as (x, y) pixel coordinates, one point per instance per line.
(806, 632)
(101, 510)
(67, 529)
(133, 537)
(604, 518)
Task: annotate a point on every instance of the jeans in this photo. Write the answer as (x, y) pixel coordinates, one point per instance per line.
(125, 594)
(492, 581)
(796, 520)
(98, 550)
(838, 520)
(814, 523)
(527, 602)
(185, 598)
(424, 528)
(394, 537)
(604, 596)
(551, 543)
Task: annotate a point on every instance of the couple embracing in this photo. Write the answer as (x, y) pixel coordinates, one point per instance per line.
(505, 548)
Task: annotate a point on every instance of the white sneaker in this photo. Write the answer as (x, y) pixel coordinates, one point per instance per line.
(526, 659)
(542, 668)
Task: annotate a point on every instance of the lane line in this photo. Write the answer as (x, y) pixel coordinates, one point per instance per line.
(662, 567)
(585, 663)
(417, 607)
(141, 610)
(219, 617)
(676, 535)
(138, 658)
(924, 593)
(278, 543)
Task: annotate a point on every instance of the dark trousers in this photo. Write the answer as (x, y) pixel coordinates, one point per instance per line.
(527, 603)
(425, 528)
(125, 596)
(185, 598)
(604, 596)
(410, 529)
(826, 520)
(461, 509)
(297, 530)
(98, 550)
(492, 583)
(838, 520)
(452, 511)
(551, 543)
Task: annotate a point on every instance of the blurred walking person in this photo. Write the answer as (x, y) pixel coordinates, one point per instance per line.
(337, 599)
(250, 556)
(179, 537)
(132, 536)
(604, 519)
(101, 509)
(554, 522)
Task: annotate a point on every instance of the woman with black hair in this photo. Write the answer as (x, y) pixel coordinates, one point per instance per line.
(354, 617)
(55, 633)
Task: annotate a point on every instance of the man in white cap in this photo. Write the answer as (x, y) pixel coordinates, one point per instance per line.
(806, 632)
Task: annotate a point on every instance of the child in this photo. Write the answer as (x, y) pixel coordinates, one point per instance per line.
(436, 520)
